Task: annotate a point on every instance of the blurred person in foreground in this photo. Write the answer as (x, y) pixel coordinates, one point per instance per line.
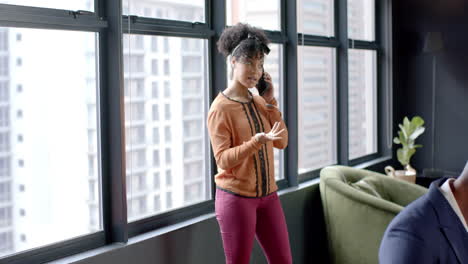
(432, 229)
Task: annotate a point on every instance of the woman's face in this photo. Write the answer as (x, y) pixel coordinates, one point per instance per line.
(247, 71)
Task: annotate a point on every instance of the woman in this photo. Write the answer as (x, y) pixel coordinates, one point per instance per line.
(243, 129)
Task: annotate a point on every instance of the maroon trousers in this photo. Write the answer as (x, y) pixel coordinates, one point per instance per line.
(241, 219)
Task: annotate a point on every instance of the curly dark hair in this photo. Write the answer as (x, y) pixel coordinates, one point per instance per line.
(243, 40)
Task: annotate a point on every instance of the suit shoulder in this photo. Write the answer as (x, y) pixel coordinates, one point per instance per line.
(418, 217)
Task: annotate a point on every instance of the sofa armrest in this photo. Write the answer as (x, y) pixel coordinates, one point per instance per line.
(355, 221)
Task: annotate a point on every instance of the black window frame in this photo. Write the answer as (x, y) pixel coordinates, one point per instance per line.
(170, 28)
(383, 48)
(57, 19)
(342, 43)
(110, 25)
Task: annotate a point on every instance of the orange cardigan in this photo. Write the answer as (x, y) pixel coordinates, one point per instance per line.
(245, 166)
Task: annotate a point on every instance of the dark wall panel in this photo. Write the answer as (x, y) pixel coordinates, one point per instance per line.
(413, 68)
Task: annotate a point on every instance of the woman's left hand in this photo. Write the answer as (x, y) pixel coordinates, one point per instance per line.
(269, 93)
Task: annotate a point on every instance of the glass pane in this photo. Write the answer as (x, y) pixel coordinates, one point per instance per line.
(165, 141)
(264, 14)
(49, 172)
(274, 66)
(361, 19)
(184, 10)
(316, 17)
(362, 103)
(67, 5)
(317, 108)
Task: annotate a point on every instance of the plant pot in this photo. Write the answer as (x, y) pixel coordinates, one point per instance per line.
(408, 174)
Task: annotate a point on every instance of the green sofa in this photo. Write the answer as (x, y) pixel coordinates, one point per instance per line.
(358, 206)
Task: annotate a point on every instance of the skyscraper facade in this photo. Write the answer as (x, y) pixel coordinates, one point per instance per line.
(165, 110)
(6, 177)
(317, 87)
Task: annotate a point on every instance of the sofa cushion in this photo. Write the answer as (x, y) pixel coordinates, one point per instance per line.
(369, 185)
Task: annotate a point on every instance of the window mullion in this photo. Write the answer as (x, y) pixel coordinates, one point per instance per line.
(217, 69)
(341, 20)
(291, 95)
(385, 71)
(112, 128)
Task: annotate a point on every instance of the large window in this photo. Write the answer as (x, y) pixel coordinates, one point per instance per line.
(70, 5)
(259, 13)
(56, 163)
(362, 103)
(317, 85)
(316, 107)
(191, 11)
(362, 76)
(316, 17)
(326, 82)
(103, 134)
(168, 119)
(361, 19)
(274, 65)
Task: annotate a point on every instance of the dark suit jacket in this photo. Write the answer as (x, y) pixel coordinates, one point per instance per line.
(426, 231)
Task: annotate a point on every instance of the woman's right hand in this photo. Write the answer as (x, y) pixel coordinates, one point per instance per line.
(270, 136)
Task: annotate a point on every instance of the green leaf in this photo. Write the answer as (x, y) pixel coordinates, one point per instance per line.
(401, 155)
(410, 153)
(406, 124)
(417, 133)
(404, 155)
(402, 138)
(417, 121)
(409, 131)
(403, 130)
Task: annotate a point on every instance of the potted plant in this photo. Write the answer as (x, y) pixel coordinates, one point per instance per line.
(407, 135)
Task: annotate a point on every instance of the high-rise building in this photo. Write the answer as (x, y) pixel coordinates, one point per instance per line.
(362, 81)
(165, 79)
(317, 88)
(317, 112)
(43, 159)
(165, 100)
(6, 177)
(43, 150)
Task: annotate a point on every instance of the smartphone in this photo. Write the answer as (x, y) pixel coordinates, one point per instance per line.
(262, 85)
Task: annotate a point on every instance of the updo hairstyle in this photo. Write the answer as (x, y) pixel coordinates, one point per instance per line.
(243, 40)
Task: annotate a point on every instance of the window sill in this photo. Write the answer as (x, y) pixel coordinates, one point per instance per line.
(133, 240)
